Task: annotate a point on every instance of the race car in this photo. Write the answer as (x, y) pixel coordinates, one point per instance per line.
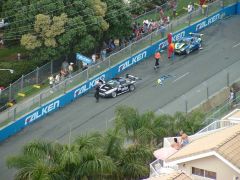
(189, 44)
(118, 86)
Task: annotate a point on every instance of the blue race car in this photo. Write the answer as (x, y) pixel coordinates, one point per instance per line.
(189, 44)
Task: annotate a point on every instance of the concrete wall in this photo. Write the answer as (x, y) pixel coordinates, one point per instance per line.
(212, 163)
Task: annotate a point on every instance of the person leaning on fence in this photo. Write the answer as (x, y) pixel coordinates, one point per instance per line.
(70, 69)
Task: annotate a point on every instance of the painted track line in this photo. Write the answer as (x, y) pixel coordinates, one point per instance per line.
(236, 45)
(181, 77)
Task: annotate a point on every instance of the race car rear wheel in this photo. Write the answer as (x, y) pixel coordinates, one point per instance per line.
(114, 94)
(131, 87)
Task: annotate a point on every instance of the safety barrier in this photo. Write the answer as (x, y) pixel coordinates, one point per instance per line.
(40, 112)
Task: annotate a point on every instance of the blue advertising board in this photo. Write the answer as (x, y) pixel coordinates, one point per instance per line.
(67, 98)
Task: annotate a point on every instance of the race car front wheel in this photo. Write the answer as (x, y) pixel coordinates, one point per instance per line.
(131, 87)
(114, 94)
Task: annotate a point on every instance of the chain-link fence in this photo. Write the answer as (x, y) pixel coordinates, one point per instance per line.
(25, 85)
(19, 109)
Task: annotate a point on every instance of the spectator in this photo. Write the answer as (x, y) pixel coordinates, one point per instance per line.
(65, 65)
(18, 56)
(51, 81)
(1, 42)
(162, 30)
(184, 139)
(231, 95)
(63, 74)
(103, 54)
(84, 65)
(70, 69)
(190, 8)
(176, 145)
(57, 78)
(94, 58)
(174, 8)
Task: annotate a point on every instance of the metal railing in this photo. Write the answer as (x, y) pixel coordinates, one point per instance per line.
(11, 114)
(216, 125)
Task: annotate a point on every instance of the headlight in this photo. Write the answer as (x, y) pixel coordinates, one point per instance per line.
(182, 49)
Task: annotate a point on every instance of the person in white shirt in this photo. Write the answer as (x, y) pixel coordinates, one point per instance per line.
(94, 57)
(190, 8)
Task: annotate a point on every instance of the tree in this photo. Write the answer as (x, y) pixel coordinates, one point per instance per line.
(62, 28)
(130, 159)
(48, 29)
(123, 152)
(38, 160)
(119, 18)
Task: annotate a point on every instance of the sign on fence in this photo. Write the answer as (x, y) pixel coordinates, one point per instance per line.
(83, 58)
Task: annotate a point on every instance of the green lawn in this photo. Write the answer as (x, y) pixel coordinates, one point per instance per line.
(7, 54)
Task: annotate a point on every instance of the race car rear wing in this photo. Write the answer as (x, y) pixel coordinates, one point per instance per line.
(131, 77)
(196, 34)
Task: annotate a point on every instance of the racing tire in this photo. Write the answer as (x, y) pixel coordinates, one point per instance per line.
(114, 94)
(131, 87)
(187, 51)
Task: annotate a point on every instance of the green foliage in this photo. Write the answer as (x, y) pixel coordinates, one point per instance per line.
(123, 152)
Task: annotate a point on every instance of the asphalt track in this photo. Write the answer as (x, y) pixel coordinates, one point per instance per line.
(221, 49)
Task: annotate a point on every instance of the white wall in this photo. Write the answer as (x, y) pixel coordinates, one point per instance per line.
(212, 163)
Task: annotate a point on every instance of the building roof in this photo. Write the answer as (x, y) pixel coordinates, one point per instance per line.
(172, 176)
(233, 116)
(225, 142)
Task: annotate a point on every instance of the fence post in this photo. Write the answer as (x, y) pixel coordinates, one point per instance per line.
(228, 79)
(207, 90)
(109, 63)
(40, 99)
(65, 86)
(37, 75)
(14, 114)
(131, 49)
(51, 67)
(10, 92)
(87, 74)
(186, 106)
(22, 81)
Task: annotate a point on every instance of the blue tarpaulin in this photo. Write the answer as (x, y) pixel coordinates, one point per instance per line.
(85, 59)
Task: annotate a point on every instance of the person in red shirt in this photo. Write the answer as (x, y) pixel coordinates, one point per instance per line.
(169, 38)
(171, 51)
(157, 58)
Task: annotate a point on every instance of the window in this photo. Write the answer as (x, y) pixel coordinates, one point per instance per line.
(210, 174)
(204, 173)
(196, 171)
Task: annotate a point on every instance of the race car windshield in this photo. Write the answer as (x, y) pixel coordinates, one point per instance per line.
(113, 83)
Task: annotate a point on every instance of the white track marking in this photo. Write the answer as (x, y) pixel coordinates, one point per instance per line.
(181, 77)
(236, 45)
